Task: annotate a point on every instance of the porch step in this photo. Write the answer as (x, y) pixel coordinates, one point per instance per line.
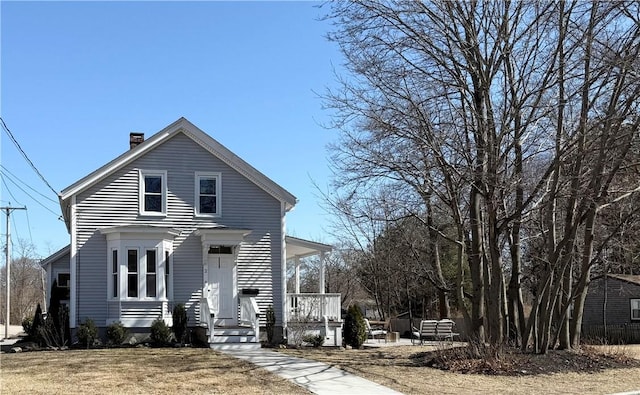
(234, 346)
(226, 338)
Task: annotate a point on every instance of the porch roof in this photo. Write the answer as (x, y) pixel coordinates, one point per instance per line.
(302, 248)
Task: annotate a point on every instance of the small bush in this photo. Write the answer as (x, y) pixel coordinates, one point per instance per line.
(314, 340)
(271, 323)
(87, 333)
(27, 322)
(355, 332)
(160, 333)
(180, 322)
(36, 324)
(116, 333)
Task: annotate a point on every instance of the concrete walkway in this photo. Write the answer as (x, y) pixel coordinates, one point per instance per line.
(316, 377)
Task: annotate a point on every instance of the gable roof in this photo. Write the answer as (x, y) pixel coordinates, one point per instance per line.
(633, 279)
(56, 255)
(207, 142)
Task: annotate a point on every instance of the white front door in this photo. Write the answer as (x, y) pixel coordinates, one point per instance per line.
(222, 290)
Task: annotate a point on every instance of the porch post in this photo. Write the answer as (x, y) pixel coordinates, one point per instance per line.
(322, 287)
(296, 260)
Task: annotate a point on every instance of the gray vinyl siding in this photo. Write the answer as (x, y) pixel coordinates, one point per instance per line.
(61, 264)
(113, 201)
(619, 294)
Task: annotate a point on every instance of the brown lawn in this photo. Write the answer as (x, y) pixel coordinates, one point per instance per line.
(186, 370)
(136, 371)
(400, 368)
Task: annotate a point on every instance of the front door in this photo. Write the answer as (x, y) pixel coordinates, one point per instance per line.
(221, 289)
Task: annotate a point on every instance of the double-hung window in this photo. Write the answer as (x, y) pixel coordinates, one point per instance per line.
(207, 194)
(152, 267)
(64, 285)
(114, 274)
(635, 309)
(153, 192)
(132, 273)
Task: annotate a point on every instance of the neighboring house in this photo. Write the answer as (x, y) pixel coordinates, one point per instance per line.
(181, 219)
(612, 309)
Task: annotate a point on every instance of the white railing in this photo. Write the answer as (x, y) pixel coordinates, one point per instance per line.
(250, 313)
(313, 307)
(206, 316)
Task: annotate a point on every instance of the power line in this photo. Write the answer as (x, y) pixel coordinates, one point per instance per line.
(9, 190)
(24, 154)
(27, 185)
(27, 193)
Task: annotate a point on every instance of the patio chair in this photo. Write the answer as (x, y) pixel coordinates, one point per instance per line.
(428, 330)
(445, 330)
(372, 333)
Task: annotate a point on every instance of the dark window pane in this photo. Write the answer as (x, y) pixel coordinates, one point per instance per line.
(208, 186)
(151, 261)
(153, 203)
(151, 285)
(132, 261)
(207, 204)
(63, 280)
(114, 261)
(132, 289)
(153, 184)
(114, 288)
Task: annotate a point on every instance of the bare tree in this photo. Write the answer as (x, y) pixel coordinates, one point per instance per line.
(512, 117)
(26, 283)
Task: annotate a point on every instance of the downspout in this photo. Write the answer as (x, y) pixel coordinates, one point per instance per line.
(283, 267)
(73, 270)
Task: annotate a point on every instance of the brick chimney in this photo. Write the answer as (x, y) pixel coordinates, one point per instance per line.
(135, 139)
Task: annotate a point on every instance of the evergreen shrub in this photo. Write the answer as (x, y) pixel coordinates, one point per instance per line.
(355, 331)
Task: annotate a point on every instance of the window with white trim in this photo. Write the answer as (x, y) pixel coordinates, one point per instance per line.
(153, 192)
(139, 263)
(635, 309)
(114, 274)
(207, 194)
(132, 273)
(152, 267)
(64, 285)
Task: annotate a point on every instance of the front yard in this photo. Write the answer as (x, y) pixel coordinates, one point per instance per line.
(136, 370)
(191, 370)
(402, 368)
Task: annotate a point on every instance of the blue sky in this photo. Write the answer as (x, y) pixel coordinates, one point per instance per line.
(77, 77)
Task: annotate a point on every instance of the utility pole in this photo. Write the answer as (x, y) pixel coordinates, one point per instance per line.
(8, 211)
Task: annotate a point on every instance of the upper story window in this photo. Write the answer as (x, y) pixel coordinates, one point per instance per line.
(153, 192)
(635, 309)
(207, 194)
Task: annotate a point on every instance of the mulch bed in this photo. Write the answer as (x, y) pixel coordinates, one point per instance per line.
(513, 362)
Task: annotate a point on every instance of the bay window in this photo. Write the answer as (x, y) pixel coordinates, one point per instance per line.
(139, 263)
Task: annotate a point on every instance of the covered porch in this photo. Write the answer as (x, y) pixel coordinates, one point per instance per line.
(311, 312)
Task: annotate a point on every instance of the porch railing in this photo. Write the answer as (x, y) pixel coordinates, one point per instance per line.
(206, 316)
(250, 313)
(313, 307)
